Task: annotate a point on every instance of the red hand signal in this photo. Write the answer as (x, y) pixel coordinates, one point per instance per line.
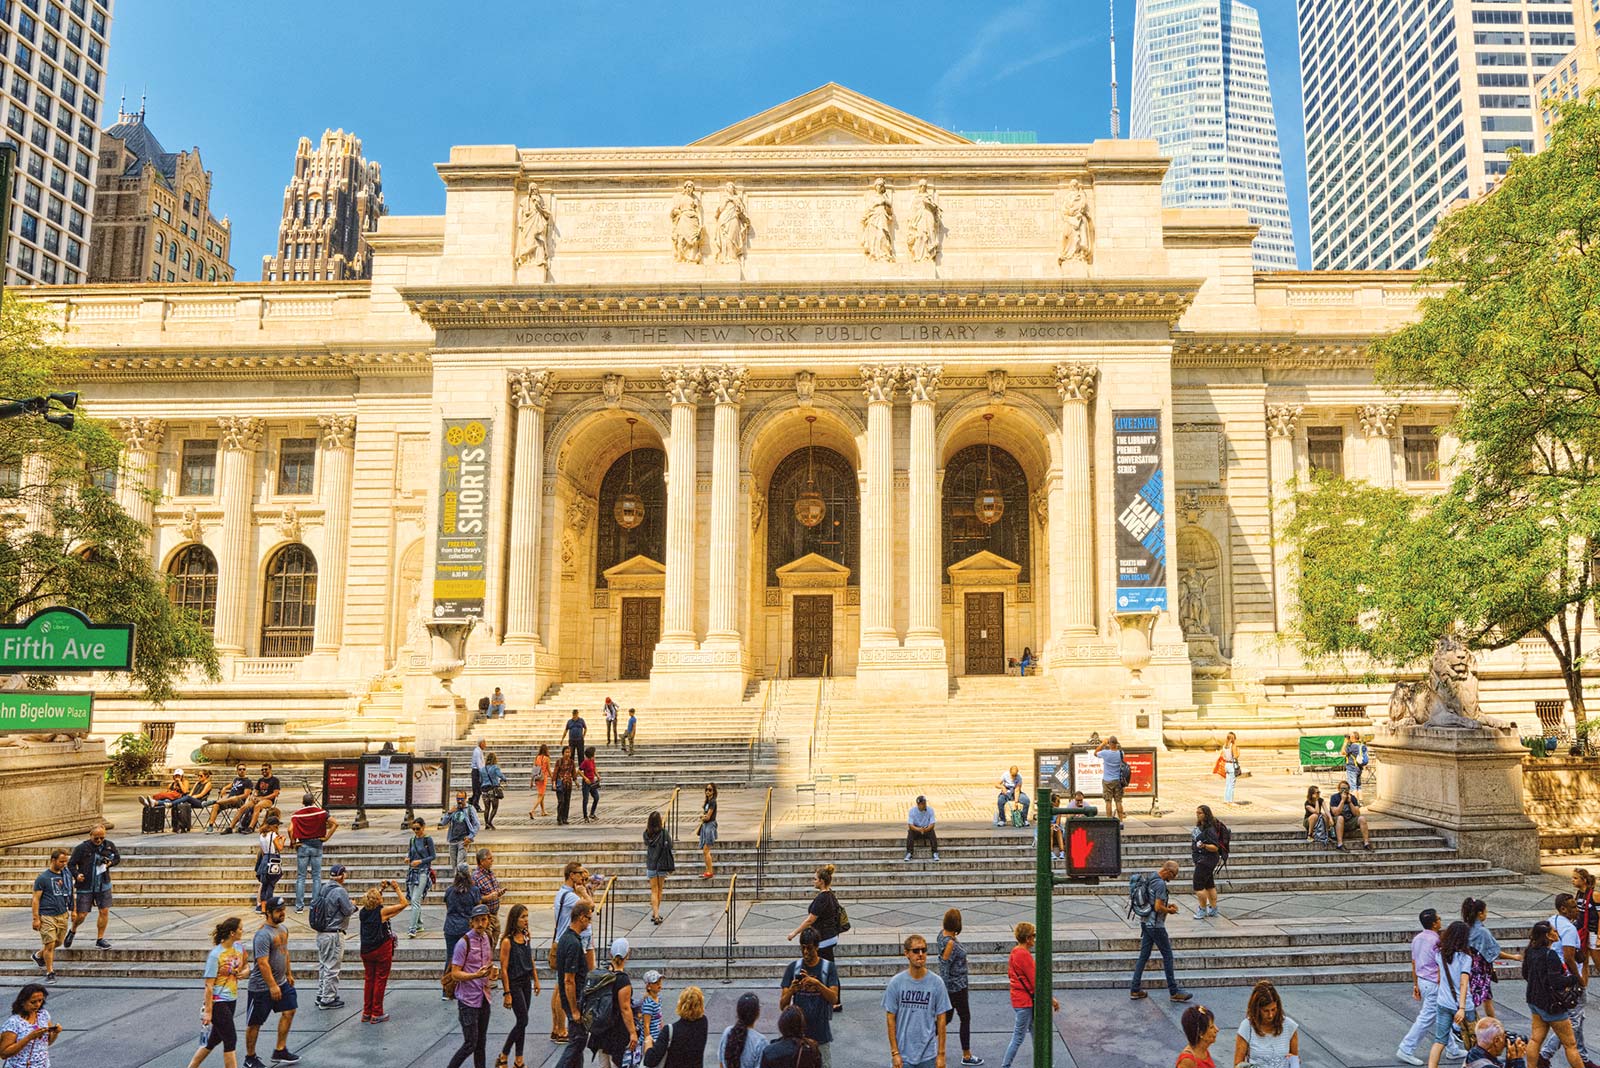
(1081, 847)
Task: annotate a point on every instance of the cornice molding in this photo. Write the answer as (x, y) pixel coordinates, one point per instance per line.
(187, 364)
(1272, 351)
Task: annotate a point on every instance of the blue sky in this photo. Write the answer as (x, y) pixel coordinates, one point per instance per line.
(251, 79)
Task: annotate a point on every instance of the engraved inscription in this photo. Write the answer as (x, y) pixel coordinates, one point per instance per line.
(821, 223)
(614, 225)
(998, 221)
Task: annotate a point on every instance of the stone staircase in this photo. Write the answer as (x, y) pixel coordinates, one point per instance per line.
(728, 762)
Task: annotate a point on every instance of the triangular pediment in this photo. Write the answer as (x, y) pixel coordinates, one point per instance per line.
(635, 567)
(832, 115)
(984, 566)
(812, 570)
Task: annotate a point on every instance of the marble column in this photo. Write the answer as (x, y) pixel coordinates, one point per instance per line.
(138, 478)
(530, 390)
(879, 383)
(726, 386)
(1378, 423)
(677, 610)
(241, 437)
(922, 385)
(337, 436)
(1072, 507)
(1281, 422)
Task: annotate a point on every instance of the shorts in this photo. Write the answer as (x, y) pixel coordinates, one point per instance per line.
(1550, 1017)
(263, 1005)
(1112, 791)
(222, 1030)
(708, 833)
(1444, 1025)
(651, 873)
(99, 899)
(53, 929)
(1205, 874)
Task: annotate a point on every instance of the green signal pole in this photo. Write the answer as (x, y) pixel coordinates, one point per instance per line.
(1044, 884)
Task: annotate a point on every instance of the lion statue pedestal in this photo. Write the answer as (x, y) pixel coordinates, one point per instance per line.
(50, 788)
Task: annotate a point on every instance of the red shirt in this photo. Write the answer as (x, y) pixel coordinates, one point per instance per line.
(1020, 972)
(309, 824)
(1188, 1060)
(591, 774)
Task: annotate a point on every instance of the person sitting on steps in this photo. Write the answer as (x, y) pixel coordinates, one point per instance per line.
(1343, 808)
(1011, 794)
(920, 827)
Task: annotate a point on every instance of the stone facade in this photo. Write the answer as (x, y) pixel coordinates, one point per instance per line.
(551, 355)
(330, 208)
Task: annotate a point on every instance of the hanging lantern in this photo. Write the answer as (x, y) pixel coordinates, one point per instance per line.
(809, 507)
(988, 505)
(629, 509)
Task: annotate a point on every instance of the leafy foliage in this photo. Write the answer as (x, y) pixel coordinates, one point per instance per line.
(133, 756)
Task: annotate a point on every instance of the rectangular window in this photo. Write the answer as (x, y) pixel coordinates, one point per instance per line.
(1422, 453)
(297, 462)
(197, 473)
(1325, 450)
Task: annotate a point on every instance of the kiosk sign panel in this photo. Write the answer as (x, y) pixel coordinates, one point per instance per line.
(1087, 772)
(1140, 507)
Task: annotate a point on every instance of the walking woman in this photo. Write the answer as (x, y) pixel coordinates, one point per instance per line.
(1199, 1031)
(589, 772)
(420, 855)
(225, 966)
(708, 828)
(269, 857)
(1588, 921)
(1020, 973)
(459, 901)
(683, 1043)
(658, 861)
(494, 789)
(1267, 1038)
(953, 970)
(521, 980)
(377, 947)
(1484, 950)
(1317, 823)
(1230, 766)
(28, 1033)
(1553, 991)
(828, 917)
(541, 779)
(566, 775)
(1205, 848)
(1453, 1004)
(742, 1045)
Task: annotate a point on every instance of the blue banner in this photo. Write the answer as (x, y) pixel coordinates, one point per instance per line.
(1141, 510)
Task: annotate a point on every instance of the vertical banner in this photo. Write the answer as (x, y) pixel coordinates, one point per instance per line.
(461, 555)
(1140, 505)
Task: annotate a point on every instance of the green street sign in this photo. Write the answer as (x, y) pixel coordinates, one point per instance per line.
(44, 711)
(63, 640)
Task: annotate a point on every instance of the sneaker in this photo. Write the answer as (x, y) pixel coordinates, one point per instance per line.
(283, 1056)
(336, 1003)
(66, 943)
(413, 932)
(1367, 846)
(999, 823)
(101, 943)
(1181, 997)
(1137, 995)
(1408, 1058)
(971, 1060)
(936, 856)
(382, 1017)
(908, 858)
(38, 959)
(1214, 912)
(365, 1018)
(1200, 914)
(253, 1062)
(49, 977)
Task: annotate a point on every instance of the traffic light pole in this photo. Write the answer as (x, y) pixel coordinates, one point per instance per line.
(1044, 884)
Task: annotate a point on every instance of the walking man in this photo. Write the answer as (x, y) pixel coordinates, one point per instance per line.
(574, 889)
(572, 972)
(489, 891)
(473, 967)
(1571, 947)
(916, 1002)
(576, 730)
(1425, 990)
(480, 758)
(335, 912)
(309, 827)
(91, 863)
(920, 827)
(813, 984)
(52, 910)
(1150, 903)
(271, 988)
(462, 822)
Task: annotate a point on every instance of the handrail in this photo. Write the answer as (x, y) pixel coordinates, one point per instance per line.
(605, 920)
(816, 716)
(730, 909)
(669, 816)
(763, 842)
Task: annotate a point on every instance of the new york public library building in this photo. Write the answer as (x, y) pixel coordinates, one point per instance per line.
(830, 391)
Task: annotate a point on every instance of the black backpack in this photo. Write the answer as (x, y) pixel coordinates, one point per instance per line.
(597, 1006)
(320, 919)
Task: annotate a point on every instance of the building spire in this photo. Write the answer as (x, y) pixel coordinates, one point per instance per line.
(142, 94)
(1116, 111)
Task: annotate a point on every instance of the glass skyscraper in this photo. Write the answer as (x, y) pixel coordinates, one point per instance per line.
(1200, 90)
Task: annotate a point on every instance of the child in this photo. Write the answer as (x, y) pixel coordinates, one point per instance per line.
(649, 1016)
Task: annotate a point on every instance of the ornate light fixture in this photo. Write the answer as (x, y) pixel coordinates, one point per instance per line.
(809, 507)
(988, 506)
(629, 510)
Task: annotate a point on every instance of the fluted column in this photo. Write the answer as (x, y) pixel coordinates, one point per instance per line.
(726, 386)
(677, 611)
(877, 508)
(337, 435)
(1281, 422)
(141, 446)
(241, 437)
(530, 390)
(922, 384)
(1378, 424)
(1072, 508)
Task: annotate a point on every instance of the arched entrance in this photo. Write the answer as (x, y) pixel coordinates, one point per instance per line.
(629, 561)
(986, 564)
(812, 566)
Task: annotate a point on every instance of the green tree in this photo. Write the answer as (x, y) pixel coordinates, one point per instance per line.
(63, 537)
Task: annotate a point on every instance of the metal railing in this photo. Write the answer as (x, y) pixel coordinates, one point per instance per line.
(763, 843)
(730, 909)
(669, 815)
(816, 718)
(605, 917)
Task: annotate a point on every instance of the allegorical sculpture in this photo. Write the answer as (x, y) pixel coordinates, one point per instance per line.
(733, 226)
(533, 230)
(1194, 614)
(922, 232)
(1447, 698)
(688, 227)
(1077, 234)
(877, 223)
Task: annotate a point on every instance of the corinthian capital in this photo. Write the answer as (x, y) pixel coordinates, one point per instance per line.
(529, 388)
(1282, 419)
(879, 382)
(242, 432)
(1378, 420)
(1076, 381)
(922, 381)
(141, 434)
(338, 431)
(725, 383)
(683, 384)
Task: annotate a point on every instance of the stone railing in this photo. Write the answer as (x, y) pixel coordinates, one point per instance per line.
(263, 668)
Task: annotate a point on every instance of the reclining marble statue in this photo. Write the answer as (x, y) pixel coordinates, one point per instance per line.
(1447, 698)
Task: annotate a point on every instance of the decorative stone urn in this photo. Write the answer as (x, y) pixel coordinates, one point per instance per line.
(446, 714)
(449, 647)
(1137, 713)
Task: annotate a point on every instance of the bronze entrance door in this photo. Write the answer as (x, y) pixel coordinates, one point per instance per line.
(986, 636)
(641, 629)
(813, 634)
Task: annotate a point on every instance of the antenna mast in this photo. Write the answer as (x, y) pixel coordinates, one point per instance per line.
(1116, 112)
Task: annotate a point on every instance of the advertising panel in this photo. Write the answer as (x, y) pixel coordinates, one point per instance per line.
(462, 552)
(341, 784)
(1087, 772)
(383, 785)
(1140, 507)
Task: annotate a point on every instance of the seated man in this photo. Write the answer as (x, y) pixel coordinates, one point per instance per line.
(1058, 829)
(920, 827)
(178, 787)
(233, 795)
(497, 704)
(266, 793)
(1010, 793)
(1344, 808)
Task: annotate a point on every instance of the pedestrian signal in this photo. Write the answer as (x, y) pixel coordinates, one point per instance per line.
(1094, 848)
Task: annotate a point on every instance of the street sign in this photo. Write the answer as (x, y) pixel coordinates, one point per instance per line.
(45, 711)
(1094, 848)
(63, 640)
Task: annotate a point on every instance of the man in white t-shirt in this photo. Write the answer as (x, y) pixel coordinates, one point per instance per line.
(1572, 953)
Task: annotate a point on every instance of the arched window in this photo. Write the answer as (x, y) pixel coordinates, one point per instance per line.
(613, 544)
(192, 583)
(964, 534)
(837, 537)
(291, 602)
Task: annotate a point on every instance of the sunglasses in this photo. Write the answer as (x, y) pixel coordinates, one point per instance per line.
(917, 949)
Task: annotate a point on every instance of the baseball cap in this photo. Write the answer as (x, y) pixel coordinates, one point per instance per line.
(482, 910)
(179, 771)
(921, 800)
(273, 904)
(338, 869)
(652, 976)
(619, 948)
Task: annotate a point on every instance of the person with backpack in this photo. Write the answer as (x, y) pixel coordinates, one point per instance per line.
(572, 976)
(1114, 775)
(1554, 990)
(1355, 760)
(472, 971)
(811, 984)
(331, 910)
(828, 917)
(1564, 922)
(462, 824)
(1148, 900)
(658, 862)
(607, 1007)
(1206, 850)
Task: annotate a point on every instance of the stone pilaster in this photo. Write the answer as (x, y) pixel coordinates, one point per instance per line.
(336, 434)
(922, 385)
(1378, 423)
(1282, 419)
(1072, 510)
(677, 610)
(530, 390)
(141, 439)
(241, 437)
(726, 386)
(879, 384)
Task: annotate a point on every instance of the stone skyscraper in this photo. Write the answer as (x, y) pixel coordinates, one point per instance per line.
(1200, 90)
(333, 202)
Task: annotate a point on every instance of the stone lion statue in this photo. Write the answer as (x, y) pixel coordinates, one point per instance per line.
(1447, 698)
